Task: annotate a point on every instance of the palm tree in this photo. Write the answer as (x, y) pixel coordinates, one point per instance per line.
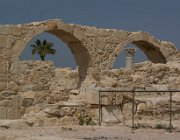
(42, 48)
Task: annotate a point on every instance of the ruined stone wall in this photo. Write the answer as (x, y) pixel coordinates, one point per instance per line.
(93, 48)
(34, 82)
(150, 108)
(41, 94)
(144, 76)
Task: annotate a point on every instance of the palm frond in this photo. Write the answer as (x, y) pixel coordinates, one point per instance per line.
(43, 47)
(34, 51)
(38, 42)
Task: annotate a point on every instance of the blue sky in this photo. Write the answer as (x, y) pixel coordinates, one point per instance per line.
(161, 18)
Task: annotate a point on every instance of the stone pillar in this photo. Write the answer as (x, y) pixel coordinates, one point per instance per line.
(129, 57)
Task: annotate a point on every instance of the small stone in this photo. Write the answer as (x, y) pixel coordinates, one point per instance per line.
(74, 92)
(141, 107)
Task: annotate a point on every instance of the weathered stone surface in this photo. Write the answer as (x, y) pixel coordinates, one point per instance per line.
(3, 113)
(107, 41)
(69, 99)
(10, 30)
(68, 121)
(93, 97)
(108, 82)
(28, 98)
(52, 121)
(112, 114)
(16, 101)
(71, 103)
(55, 112)
(12, 86)
(13, 113)
(3, 40)
(28, 95)
(127, 110)
(2, 86)
(5, 103)
(27, 102)
(8, 93)
(15, 124)
(74, 92)
(44, 95)
(33, 110)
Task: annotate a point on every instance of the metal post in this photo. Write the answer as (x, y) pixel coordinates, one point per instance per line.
(115, 98)
(170, 113)
(133, 102)
(101, 112)
(99, 109)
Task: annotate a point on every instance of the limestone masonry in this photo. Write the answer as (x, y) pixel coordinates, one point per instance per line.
(36, 93)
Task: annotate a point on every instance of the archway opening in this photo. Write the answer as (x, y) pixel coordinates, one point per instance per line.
(139, 57)
(152, 52)
(62, 58)
(79, 51)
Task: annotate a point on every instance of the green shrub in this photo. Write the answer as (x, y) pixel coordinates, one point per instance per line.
(85, 118)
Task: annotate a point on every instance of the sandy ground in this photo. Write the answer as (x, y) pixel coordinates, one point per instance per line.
(86, 133)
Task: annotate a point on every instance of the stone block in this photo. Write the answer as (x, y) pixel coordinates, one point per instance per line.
(13, 86)
(111, 98)
(141, 107)
(159, 87)
(3, 69)
(26, 88)
(8, 93)
(127, 110)
(28, 94)
(2, 86)
(66, 120)
(5, 103)
(74, 92)
(66, 28)
(78, 34)
(14, 124)
(3, 113)
(104, 99)
(22, 111)
(55, 112)
(91, 32)
(112, 114)
(3, 40)
(91, 96)
(27, 102)
(172, 79)
(16, 101)
(13, 113)
(109, 82)
(54, 121)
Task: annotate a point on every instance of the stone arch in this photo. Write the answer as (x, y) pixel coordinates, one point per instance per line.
(154, 49)
(65, 33)
(139, 57)
(63, 57)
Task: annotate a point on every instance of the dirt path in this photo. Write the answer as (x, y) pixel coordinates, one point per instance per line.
(86, 133)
